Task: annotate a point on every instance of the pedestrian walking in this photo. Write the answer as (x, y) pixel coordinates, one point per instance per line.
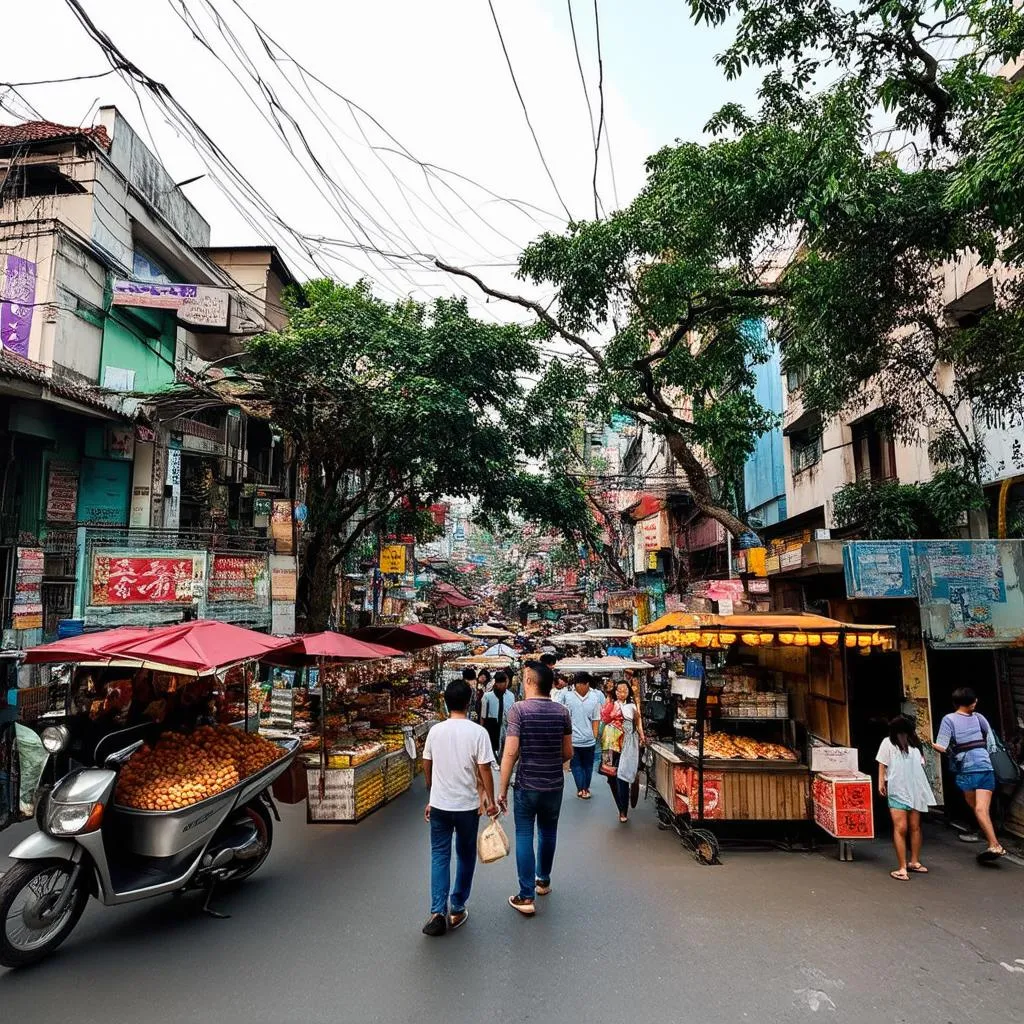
(903, 783)
(539, 740)
(469, 678)
(584, 706)
(457, 760)
(620, 745)
(495, 708)
(966, 736)
(483, 684)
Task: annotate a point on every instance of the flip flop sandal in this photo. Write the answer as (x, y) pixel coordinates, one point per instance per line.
(989, 856)
(584, 796)
(900, 876)
(918, 869)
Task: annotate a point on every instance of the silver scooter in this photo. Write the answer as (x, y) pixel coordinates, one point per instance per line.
(88, 845)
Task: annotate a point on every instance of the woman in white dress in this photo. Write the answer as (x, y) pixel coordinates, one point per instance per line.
(902, 781)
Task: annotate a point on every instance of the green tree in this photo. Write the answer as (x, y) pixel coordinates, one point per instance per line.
(391, 407)
(825, 214)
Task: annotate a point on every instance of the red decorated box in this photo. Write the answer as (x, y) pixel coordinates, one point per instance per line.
(843, 804)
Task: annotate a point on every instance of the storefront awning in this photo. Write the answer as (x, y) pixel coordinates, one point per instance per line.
(681, 629)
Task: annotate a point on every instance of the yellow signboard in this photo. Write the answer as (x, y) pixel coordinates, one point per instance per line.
(392, 559)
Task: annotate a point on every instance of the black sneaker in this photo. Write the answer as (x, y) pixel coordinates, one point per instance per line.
(436, 925)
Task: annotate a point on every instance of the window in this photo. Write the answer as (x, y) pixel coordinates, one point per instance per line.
(874, 454)
(795, 377)
(805, 448)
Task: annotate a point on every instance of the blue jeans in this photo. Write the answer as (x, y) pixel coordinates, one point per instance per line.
(464, 825)
(582, 765)
(542, 807)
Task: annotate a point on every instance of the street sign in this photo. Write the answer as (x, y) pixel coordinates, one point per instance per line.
(392, 559)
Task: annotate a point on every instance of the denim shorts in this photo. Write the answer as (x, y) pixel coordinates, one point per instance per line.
(967, 782)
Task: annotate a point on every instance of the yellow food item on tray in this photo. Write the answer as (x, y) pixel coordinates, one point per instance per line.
(721, 746)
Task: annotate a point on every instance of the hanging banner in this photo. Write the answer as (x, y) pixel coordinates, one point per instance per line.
(281, 526)
(131, 579)
(17, 304)
(238, 578)
(879, 569)
(153, 295)
(61, 492)
(283, 583)
(655, 532)
(392, 559)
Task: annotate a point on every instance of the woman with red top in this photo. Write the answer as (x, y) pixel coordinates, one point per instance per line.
(621, 740)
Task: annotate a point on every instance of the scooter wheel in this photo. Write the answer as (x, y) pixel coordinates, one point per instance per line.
(27, 891)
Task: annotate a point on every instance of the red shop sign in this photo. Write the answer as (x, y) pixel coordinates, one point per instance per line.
(118, 579)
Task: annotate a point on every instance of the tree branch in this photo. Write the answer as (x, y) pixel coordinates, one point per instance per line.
(535, 307)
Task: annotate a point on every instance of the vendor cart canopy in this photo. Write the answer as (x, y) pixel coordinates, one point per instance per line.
(608, 634)
(313, 648)
(84, 647)
(600, 666)
(568, 639)
(193, 648)
(414, 637)
(681, 629)
(500, 651)
(490, 632)
(479, 661)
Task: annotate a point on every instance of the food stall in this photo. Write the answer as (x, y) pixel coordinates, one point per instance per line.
(364, 722)
(767, 690)
(187, 691)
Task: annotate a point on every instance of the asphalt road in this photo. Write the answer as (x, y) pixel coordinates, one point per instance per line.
(635, 932)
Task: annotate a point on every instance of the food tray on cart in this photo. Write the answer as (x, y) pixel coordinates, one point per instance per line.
(165, 833)
(760, 764)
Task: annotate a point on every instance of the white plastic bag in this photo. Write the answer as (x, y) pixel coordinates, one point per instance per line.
(492, 844)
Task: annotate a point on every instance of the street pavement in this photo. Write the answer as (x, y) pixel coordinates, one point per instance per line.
(635, 932)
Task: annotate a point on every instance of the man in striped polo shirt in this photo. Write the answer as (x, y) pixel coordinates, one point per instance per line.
(539, 738)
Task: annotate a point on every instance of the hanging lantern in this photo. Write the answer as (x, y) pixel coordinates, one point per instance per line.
(727, 638)
(751, 639)
(864, 640)
(767, 638)
(851, 640)
(800, 639)
(830, 639)
(877, 640)
(785, 638)
(813, 640)
(701, 641)
(690, 638)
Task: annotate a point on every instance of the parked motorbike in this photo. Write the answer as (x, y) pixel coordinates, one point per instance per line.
(87, 845)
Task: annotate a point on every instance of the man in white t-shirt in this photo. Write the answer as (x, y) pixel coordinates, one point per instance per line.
(457, 760)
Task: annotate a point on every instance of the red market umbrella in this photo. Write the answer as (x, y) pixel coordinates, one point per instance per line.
(312, 648)
(409, 638)
(197, 647)
(85, 647)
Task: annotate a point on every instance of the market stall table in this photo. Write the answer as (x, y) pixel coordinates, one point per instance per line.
(737, 756)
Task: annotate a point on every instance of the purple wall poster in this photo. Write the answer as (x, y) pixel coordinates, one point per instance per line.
(17, 303)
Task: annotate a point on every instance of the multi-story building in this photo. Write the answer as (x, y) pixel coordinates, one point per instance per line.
(119, 325)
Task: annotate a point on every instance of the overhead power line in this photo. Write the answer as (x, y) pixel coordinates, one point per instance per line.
(526, 112)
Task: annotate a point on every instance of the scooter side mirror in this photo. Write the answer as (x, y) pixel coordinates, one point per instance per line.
(119, 757)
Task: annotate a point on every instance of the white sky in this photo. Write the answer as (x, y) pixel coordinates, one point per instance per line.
(432, 72)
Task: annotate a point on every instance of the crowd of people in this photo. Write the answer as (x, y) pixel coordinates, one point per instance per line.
(530, 739)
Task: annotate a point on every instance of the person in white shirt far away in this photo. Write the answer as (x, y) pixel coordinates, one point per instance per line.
(457, 761)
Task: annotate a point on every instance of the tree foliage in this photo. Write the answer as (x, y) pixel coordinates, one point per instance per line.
(891, 510)
(393, 406)
(826, 214)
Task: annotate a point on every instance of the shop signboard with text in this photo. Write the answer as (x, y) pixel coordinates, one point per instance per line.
(120, 578)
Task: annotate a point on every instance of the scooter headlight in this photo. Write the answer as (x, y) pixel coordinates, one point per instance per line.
(73, 819)
(55, 738)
